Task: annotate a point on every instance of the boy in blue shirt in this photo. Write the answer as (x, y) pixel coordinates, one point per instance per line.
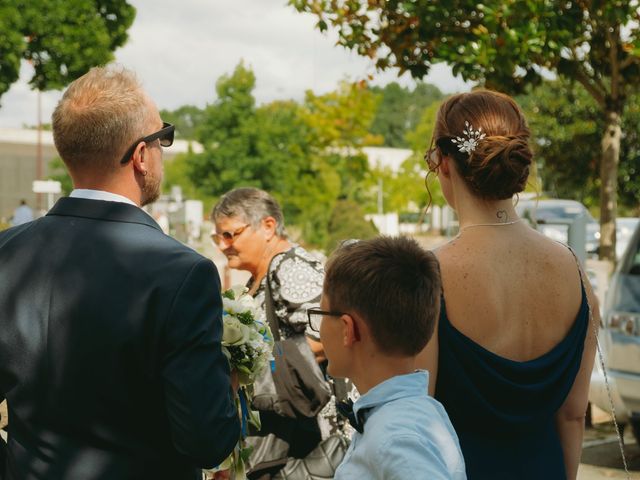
(380, 302)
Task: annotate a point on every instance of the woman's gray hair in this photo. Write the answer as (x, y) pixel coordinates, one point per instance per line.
(251, 204)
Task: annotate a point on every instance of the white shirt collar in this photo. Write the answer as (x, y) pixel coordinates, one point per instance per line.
(100, 195)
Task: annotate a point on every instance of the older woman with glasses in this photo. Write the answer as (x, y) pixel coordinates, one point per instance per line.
(249, 230)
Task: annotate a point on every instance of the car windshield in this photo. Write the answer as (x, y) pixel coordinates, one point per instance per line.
(543, 213)
(627, 224)
(635, 263)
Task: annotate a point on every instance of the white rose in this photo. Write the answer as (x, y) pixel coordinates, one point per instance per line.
(231, 306)
(234, 332)
(248, 304)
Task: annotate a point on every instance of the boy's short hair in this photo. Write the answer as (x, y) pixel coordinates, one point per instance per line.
(393, 284)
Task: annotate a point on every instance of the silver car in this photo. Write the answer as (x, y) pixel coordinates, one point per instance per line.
(547, 217)
(621, 333)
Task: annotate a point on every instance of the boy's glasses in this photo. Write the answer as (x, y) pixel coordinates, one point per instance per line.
(165, 135)
(314, 317)
(228, 237)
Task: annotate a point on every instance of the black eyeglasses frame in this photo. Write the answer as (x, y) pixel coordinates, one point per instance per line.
(165, 134)
(317, 311)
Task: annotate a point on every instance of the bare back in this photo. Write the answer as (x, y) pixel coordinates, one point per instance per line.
(510, 289)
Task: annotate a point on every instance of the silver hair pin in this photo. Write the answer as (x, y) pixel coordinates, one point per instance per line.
(469, 141)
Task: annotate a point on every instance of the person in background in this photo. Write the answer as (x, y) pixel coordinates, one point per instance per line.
(22, 214)
(250, 231)
(512, 355)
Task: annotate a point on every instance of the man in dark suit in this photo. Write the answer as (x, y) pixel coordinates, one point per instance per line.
(110, 355)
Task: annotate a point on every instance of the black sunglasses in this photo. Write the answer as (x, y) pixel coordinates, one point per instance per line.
(322, 313)
(165, 134)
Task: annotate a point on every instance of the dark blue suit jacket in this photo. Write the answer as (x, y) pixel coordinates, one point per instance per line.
(110, 354)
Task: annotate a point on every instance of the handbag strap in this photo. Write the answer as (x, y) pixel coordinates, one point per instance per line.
(600, 357)
(270, 308)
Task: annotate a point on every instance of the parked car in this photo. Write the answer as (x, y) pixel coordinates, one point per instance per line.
(625, 226)
(621, 332)
(548, 217)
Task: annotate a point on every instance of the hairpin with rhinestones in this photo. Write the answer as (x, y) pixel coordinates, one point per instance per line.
(469, 141)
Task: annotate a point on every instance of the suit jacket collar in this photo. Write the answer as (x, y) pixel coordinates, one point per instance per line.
(102, 210)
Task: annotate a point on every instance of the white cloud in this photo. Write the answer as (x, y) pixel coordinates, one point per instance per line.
(179, 49)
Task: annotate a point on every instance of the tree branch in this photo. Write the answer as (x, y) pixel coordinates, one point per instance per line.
(628, 61)
(598, 93)
(594, 86)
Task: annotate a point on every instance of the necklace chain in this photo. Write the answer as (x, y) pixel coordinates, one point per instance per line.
(496, 224)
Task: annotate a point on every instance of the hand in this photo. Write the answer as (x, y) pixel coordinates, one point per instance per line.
(222, 475)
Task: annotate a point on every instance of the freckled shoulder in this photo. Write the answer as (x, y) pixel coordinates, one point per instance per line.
(452, 255)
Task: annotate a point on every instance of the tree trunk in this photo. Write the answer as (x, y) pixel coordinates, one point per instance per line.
(609, 184)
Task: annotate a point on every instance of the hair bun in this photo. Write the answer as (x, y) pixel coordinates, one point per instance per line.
(499, 166)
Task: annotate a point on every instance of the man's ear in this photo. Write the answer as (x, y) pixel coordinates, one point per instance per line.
(350, 330)
(140, 159)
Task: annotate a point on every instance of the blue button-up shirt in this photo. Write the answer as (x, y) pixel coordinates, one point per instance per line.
(407, 435)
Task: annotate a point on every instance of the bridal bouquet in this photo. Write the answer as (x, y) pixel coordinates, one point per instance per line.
(248, 345)
(246, 341)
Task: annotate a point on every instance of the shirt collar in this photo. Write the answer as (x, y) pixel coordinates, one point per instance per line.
(100, 195)
(400, 386)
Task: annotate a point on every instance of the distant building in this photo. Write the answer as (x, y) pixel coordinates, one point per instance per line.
(385, 157)
(18, 165)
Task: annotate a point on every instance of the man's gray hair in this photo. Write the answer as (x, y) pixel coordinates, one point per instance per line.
(98, 118)
(252, 205)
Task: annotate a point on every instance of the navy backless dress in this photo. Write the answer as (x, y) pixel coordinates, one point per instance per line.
(503, 410)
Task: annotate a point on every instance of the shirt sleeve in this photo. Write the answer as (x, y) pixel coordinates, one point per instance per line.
(401, 456)
(199, 401)
(297, 286)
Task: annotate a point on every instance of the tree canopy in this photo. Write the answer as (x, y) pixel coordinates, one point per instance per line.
(62, 40)
(187, 119)
(307, 155)
(508, 45)
(566, 124)
(400, 110)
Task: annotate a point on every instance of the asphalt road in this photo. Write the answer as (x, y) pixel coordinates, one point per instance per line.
(601, 456)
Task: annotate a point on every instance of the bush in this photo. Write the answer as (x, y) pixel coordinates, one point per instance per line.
(347, 221)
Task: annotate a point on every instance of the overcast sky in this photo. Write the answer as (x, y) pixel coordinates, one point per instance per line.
(179, 49)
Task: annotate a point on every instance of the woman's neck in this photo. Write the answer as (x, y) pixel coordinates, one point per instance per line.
(472, 210)
(493, 212)
(272, 248)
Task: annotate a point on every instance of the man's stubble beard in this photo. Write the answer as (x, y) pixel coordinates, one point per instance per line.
(151, 189)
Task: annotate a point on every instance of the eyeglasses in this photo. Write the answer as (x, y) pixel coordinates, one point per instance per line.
(165, 135)
(314, 317)
(228, 237)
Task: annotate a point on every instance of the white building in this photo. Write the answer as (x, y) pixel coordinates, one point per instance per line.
(20, 150)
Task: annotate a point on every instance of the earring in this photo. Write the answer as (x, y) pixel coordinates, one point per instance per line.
(144, 173)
